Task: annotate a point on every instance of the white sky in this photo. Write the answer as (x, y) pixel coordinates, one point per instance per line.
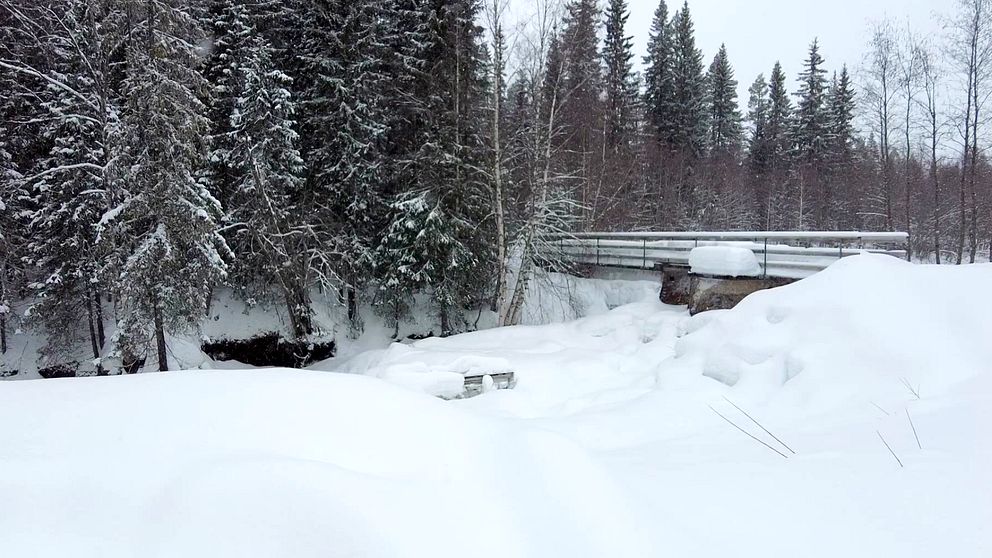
(759, 32)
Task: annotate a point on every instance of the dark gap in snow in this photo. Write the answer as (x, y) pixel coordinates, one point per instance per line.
(269, 349)
(59, 370)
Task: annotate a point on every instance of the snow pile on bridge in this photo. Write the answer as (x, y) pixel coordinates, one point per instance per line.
(724, 261)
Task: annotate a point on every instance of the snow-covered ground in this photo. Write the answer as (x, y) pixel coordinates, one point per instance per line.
(612, 444)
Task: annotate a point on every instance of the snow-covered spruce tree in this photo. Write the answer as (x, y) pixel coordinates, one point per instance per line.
(724, 114)
(759, 147)
(71, 189)
(688, 110)
(840, 105)
(581, 103)
(775, 173)
(267, 230)
(619, 80)
(758, 108)
(167, 251)
(618, 194)
(231, 27)
(688, 124)
(346, 104)
(21, 142)
(440, 223)
(11, 230)
(658, 74)
(810, 134)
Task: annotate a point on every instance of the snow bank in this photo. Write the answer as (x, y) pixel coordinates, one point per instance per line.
(724, 261)
(289, 463)
(869, 328)
(610, 444)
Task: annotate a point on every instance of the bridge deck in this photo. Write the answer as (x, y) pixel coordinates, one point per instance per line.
(788, 254)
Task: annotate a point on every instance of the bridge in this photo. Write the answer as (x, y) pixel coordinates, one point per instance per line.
(783, 256)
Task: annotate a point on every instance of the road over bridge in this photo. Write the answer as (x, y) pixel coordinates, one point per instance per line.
(783, 257)
(785, 254)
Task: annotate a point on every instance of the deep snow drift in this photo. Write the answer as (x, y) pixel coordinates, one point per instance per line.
(610, 445)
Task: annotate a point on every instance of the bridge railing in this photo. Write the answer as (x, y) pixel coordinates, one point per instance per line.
(793, 254)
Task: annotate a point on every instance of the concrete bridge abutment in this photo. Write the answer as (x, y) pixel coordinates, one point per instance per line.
(707, 292)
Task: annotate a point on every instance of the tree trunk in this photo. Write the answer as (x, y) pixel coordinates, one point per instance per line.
(98, 305)
(91, 322)
(3, 309)
(298, 307)
(935, 179)
(352, 305)
(163, 358)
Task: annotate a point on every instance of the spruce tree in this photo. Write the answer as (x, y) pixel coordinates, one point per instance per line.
(841, 106)
(810, 139)
(780, 118)
(724, 114)
(439, 225)
(166, 248)
(758, 113)
(70, 197)
(658, 90)
(620, 83)
(811, 133)
(582, 109)
(688, 115)
(270, 238)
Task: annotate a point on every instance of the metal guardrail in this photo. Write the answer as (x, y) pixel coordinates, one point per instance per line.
(791, 254)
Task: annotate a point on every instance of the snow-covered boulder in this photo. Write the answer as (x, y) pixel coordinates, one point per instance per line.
(725, 261)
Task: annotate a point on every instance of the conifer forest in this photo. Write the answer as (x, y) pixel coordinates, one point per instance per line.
(153, 152)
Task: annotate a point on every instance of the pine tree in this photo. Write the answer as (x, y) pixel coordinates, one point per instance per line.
(724, 117)
(658, 92)
(166, 248)
(620, 83)
(688, 114)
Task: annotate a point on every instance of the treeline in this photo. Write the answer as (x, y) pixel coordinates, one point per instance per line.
(152, 151)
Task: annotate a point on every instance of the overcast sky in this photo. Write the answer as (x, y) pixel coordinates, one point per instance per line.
(759, 32)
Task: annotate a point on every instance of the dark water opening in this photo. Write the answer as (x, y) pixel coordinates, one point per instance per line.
(59, 370)
(269, 349)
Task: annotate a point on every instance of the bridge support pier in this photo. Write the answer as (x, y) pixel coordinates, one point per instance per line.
(676, 285)
(720, 293)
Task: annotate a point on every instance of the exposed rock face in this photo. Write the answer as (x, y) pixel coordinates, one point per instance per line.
(716, 293)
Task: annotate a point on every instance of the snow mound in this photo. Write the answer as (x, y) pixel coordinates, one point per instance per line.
(868, 328)
(725, 261)
(288, 463)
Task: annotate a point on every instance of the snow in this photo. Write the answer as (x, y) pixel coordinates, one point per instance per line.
(725, 261)
(610, 444)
